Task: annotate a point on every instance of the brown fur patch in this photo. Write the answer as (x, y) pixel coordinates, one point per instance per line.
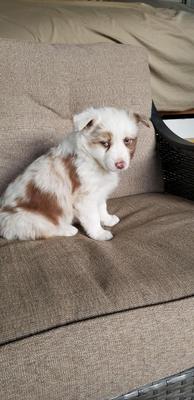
(69, 164)
(44, 203)
(9, 209)
(132, 146)
(142, 118)
(101, 137)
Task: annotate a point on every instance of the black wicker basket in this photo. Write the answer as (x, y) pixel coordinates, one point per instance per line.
(175, 387)
(177, 159)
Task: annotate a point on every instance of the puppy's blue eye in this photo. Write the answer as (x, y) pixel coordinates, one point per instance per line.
(105, 144)
(128, 141)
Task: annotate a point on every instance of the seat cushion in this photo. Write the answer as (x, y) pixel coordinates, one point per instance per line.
(55, 282)
(101, 358)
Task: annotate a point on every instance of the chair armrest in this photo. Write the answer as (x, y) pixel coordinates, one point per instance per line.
(177, 159)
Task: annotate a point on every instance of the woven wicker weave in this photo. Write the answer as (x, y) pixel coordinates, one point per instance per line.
(175, 387)
(177, 159)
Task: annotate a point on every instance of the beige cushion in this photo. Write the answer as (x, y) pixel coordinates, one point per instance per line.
(42, 86)
(100, 358)
(59, 281)
(84, 319)
(165, 29)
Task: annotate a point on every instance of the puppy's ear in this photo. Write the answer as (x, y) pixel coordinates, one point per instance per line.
(85, 120)
(142, 118)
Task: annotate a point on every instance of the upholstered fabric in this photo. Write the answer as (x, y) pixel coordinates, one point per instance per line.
(63, 280)
(102, 357)
(42, 86)
(164, 28)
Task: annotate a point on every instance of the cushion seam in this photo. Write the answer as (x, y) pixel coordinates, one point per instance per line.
(73, 322)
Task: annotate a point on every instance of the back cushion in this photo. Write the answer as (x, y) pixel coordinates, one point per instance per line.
(43, 85)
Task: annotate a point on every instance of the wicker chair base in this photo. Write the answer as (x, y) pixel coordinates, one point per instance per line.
(175, 387)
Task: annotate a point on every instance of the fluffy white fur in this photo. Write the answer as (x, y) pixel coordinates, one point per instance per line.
(74, 180)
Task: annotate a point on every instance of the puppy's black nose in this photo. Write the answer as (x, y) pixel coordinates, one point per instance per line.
(120, 164)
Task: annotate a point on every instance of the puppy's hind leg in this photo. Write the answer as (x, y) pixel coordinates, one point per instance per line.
(54, 231)
(63, 229)
(25, 225)
(66, 230)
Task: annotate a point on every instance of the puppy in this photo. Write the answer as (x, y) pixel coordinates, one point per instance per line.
(73, 180)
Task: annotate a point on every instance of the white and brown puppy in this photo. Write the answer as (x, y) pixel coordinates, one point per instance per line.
(73, 180)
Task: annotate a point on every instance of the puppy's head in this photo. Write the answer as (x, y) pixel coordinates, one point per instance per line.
(109, 135)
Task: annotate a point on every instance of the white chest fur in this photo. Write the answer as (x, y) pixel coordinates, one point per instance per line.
(95, 181)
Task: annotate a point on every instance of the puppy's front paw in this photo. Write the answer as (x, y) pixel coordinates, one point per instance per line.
(111, 220)
(103, 235)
